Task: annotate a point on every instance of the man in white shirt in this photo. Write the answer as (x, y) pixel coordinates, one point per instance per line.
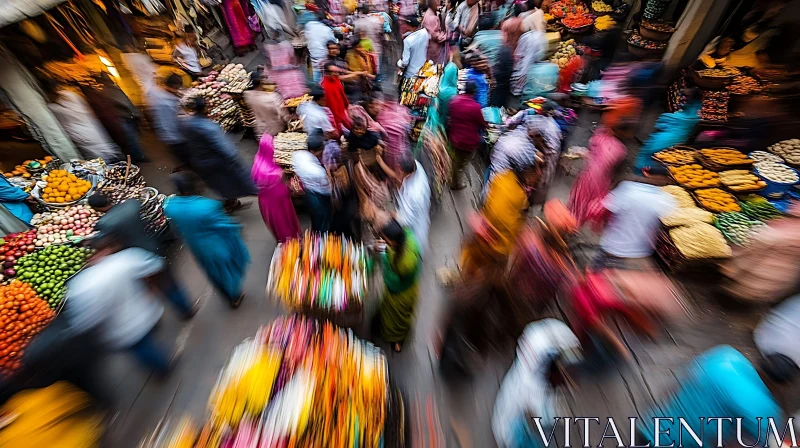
(317, 37)
(315, 115)
(307, 165)
(415, 49)
(185, 54)
(533, 18)
(466, 19)
(636, 209)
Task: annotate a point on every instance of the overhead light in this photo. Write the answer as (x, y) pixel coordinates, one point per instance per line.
(105, 61)
(113, 72)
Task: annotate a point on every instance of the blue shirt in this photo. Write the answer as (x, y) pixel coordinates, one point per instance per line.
(164, 108)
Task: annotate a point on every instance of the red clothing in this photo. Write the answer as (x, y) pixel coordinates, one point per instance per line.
(465, 123)
(336, 100)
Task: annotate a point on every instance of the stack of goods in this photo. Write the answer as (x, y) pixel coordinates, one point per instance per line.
(152, 211)
(715, 105)
(292, 103)
(675, 156)
(604, 23)
(741, 181)
(723, 158)
(217, 88)
(675, 94)
(654, 9)
(700, 241)
(29, 167)
(694, 176)
(601, 7)
(577, 21)
(286, 143)
(48, 269)
(59, 415)
(563, 8)
(64, 225)
(737, 227)
(789, 150)
(24, 316)
(325, 273)
(758, 208)
(566, 51)
(687, 211)
(716, 200)
(63, 188)
(14, 247)
(412, 90)
(300, 383)
(744, 85)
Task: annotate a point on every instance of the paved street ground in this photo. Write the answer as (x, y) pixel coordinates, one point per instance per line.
(440, 415)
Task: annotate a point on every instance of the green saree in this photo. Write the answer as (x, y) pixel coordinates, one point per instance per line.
(401, 277)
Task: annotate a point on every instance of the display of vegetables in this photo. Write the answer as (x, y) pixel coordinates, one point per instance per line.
(564, 52)
(674, 156)
(15, 246)
(788, 149)
(63, 186)
(777, 172)
(737, 227)
(600, 6)
(694, 176)
(562, 8)
(48, 269)
(763, 156)
(22, 316)
(217, 88)
(716, 200)
(758, 208)
(741, 180)
(62, 226)
(578, 20)
(319, 272)
(604, 23)
(682, 196)
(725, 156)
(687, 215)
(700, 241)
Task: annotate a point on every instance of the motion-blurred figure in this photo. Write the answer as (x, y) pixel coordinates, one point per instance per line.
(465, 124)
(274, 200)
(164, 106)
(776, 338)
(213, 237)
(267, 106)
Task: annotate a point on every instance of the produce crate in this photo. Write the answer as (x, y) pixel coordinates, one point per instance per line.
(700, 204)
(674, 260)
(679, 147)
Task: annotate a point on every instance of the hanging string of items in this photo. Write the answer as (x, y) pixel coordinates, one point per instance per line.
(319, 272)
(298, 383)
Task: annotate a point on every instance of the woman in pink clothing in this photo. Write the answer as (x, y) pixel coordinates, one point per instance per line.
(606, 154)
(433, 25)
(274, 200)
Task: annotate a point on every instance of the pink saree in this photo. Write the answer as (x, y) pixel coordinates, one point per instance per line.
(236, 20)
(274, 200)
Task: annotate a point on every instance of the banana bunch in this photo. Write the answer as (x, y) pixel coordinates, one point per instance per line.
(49, 417)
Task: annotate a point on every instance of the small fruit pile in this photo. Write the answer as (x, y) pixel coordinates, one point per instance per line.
(777, 172)
(694, 176)
(577, 21)
(700, 241)
(564, 52)
(599, 6)
(674, 156)
(22, 316)
(562, 8)
(725, 156)
(717, 201)
(604, 23)
(741, 180)
(788, 149)
(637, 40)
(737, 227)
(63, 186)
(22, 169)
(48, 269)
(64, 225)
(16, 246)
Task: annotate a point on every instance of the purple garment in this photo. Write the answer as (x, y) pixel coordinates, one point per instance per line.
(396, 122)
(465, 123)
(274, 200)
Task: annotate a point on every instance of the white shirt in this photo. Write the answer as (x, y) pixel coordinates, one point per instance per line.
(314, 117)
(414, 205)
(311, 172)
(111, 297)
(415, 48)
(777, 332)
(534, 21)
(188, 57)
(317, 36)
(637, 209)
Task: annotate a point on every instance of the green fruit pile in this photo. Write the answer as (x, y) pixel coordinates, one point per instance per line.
(48, 269)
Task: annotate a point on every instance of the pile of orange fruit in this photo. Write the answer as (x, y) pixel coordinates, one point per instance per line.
(694, 176)
(22, 316)
(63, 186)
(717, 201)
(22, 170)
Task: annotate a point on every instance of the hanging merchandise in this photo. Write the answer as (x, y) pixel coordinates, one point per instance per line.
(150, 7)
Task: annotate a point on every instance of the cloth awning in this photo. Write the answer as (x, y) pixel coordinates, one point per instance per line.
(13, 11)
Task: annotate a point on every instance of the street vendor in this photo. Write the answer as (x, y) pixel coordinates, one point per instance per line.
(267, 106)
(185, 53)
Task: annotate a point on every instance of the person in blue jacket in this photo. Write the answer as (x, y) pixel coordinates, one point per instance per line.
(670, 129)
(15, 200)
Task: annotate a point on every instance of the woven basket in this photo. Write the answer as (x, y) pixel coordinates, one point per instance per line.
(700, 204)
(660, 36)
(714, 166)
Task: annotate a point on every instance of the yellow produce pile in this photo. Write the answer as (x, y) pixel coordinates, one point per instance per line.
(682, 196)
(675, 156)
(55, 416)
(741, 180)
(725, 156)
(599, 6)
(64, 187)
(717, 201)
(694, 176)
(604, 23)
(700, 241)
(687, 212)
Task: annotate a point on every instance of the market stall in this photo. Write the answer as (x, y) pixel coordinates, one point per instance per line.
(298, 382)
(222, 91)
